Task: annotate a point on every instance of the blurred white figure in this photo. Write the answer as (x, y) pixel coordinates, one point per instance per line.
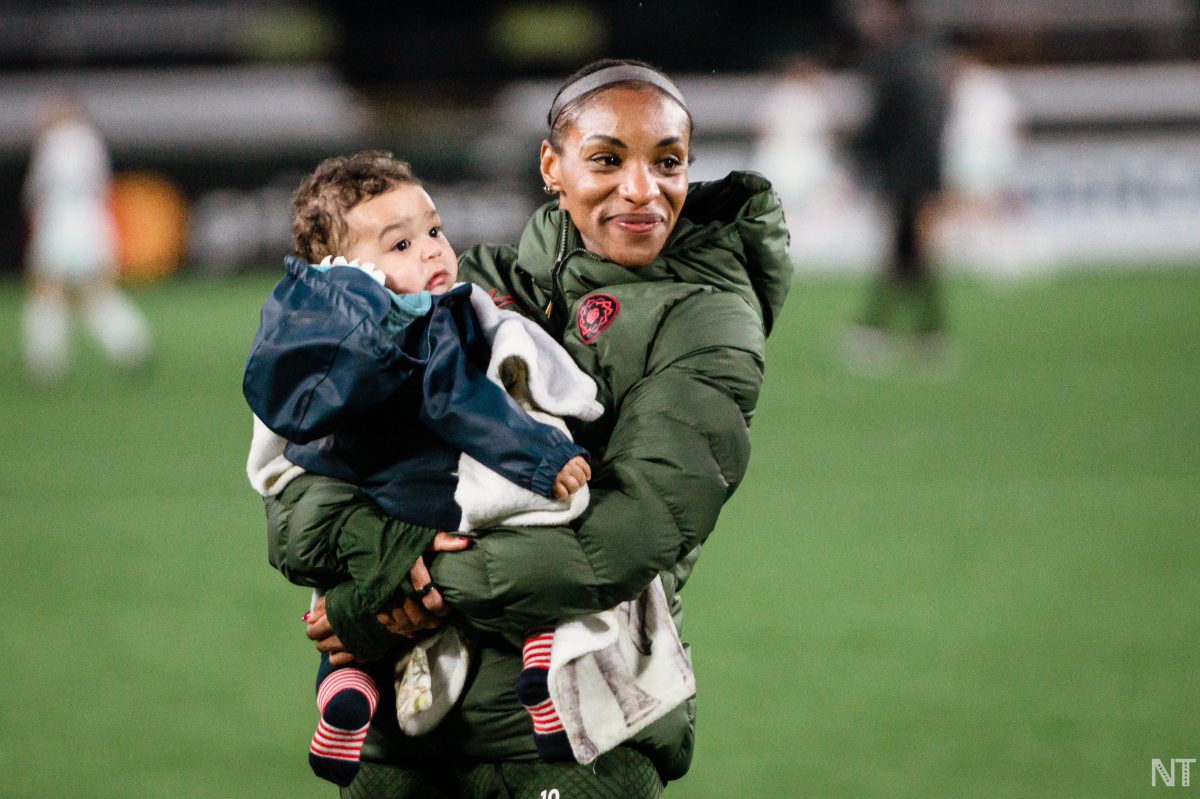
(981, 145)
(795, 135)
(72, 249)
(983, 133)
(797, 150)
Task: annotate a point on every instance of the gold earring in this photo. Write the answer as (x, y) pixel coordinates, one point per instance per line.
(549, 190)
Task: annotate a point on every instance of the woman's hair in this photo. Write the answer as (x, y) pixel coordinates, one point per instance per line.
(560, 118)
(338, 184)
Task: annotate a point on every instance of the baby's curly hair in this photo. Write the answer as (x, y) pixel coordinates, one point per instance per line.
(338, 184)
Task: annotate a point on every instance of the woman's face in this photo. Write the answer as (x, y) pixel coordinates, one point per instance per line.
(622, 172)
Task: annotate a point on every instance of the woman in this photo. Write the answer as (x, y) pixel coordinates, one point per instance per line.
(665, 293)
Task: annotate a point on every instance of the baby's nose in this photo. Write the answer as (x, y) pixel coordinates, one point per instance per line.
(431, 249)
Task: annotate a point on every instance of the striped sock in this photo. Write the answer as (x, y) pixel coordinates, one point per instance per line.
(346, 699)
(532, 689)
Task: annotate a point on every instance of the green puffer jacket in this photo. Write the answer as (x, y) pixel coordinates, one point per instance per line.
(676, 348)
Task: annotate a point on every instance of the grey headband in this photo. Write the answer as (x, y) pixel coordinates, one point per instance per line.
(609, 75)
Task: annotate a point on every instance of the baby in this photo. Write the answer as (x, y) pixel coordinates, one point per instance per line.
(374, 371)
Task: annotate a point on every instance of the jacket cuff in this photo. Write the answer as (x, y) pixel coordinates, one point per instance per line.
(355, 624)
(543, 477)
(400, 547)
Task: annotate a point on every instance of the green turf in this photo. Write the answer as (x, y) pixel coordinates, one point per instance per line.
(973, 583)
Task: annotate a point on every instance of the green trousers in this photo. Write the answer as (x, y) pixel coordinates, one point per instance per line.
(622, 773)
(901, 305)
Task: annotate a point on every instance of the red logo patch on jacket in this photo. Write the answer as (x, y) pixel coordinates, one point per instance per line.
(596, 313)
(501, 300)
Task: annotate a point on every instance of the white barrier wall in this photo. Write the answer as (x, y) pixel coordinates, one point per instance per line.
(1075, 202)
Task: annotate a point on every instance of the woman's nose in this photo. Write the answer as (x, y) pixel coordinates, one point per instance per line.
(638, 184)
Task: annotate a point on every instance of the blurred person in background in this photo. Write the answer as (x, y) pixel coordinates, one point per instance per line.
(72, 256)
(796, 145)
(665, 293)
(980, 149)
(901, 148)
(983, 132)
(795, 134)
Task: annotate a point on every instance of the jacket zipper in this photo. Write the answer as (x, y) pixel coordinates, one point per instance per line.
(557, 294)
(556, 270)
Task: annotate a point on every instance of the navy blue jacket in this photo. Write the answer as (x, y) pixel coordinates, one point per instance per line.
(390, 412)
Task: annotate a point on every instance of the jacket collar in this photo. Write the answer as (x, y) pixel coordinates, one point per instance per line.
(552, 249)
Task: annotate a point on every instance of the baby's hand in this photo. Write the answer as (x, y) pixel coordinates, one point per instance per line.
(572, 477)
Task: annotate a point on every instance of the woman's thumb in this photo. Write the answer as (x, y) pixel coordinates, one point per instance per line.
(448, 542)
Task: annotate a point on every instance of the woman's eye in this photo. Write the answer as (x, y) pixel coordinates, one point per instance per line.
(606, 160)
(401, 245)
(671, 162)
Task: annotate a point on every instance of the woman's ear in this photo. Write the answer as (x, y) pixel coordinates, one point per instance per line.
(550, 166)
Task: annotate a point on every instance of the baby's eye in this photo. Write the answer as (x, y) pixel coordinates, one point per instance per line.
(434, 232)
(401, 245)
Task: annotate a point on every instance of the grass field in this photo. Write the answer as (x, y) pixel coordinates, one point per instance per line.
(978, 583)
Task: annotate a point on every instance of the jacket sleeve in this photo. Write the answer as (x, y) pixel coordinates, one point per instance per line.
(473, 414)
(679, 449)
(322, 532)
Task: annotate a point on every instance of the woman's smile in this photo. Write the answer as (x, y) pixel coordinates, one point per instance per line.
(637, 224)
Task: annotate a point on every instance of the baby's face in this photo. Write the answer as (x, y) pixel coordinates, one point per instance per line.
(401, 233)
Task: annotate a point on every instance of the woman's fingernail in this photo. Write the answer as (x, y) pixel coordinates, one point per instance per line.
(305, 616)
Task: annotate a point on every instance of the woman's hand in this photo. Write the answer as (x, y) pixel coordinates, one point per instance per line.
(572, 477)
(320, 631)
(423, 608)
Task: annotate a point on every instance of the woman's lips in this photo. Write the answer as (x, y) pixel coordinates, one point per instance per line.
(637, 224)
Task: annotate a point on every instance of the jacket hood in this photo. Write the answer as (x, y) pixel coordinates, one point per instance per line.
(731, 234)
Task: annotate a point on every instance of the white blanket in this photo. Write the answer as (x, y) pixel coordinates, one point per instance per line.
(556, 386)
(269, 471)
(614, 673)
